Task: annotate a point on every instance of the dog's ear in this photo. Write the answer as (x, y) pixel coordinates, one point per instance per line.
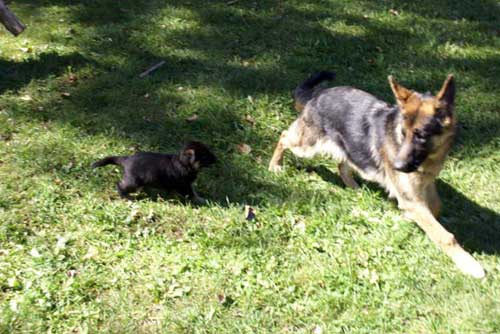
(188, 156)
(400, 93)
(447, 92)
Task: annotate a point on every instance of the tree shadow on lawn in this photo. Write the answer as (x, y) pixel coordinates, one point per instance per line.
(483, 11)
(16, 75)
(475, 227)
(114, 102)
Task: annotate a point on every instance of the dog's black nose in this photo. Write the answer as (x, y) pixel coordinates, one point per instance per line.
(403, 166)
(399, 164)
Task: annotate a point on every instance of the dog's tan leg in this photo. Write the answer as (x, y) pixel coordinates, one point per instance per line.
(422, 215)
(277, 160)
(303, 139)
(345, 172)
(433, 201)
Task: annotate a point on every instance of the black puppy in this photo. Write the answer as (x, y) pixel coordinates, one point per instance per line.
(165, 171)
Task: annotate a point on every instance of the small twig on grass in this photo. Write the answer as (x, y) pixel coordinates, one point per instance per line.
(151, 69)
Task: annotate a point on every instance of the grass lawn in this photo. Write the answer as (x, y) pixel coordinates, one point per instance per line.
(319, 258)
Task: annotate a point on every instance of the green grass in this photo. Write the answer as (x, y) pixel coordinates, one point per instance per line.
(74, 258)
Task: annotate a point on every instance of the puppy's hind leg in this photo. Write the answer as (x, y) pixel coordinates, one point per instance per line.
(125, 187)
(345, 172)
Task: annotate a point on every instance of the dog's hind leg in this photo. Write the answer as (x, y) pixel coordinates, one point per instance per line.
(345, 172)
(277, 160)
(301, 138)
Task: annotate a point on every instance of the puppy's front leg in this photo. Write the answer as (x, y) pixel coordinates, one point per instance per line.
(197, 198)
(422, 215)
(189, 191)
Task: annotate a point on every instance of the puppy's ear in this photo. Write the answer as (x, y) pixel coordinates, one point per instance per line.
(188, 156)
(400, 93)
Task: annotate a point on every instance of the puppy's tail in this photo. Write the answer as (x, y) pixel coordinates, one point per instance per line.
(304, 92)
(108, 161)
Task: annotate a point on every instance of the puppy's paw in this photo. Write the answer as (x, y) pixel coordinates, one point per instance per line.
(200, 200)
(275, 168)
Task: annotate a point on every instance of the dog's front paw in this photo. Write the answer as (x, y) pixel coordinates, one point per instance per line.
(275, 168)
(467, 264)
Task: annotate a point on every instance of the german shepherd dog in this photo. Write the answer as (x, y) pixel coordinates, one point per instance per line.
(402, 147)
(165, 171)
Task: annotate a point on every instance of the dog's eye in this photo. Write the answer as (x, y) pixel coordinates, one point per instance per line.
(403, 133)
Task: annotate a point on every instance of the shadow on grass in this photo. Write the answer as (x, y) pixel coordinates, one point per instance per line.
(476, 228)
(326, 174)
(477, 11)
(16, 75)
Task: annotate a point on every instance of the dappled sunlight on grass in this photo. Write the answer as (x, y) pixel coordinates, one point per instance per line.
(318, 257)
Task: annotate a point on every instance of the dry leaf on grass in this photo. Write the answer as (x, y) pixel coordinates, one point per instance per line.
(225, 300)
(299, 226)
(249, 213)
(249, 119)
(72, 78)
(244, 148)
(35, 253)
(71, 273)
(192, 118)
(92, 252)
(6, 137)
(317, 330)
(135, 213)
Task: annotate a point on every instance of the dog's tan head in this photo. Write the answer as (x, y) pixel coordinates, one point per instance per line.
(427, 120)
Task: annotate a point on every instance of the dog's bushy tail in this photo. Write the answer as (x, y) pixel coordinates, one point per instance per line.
(304, 92)
(108, 161)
